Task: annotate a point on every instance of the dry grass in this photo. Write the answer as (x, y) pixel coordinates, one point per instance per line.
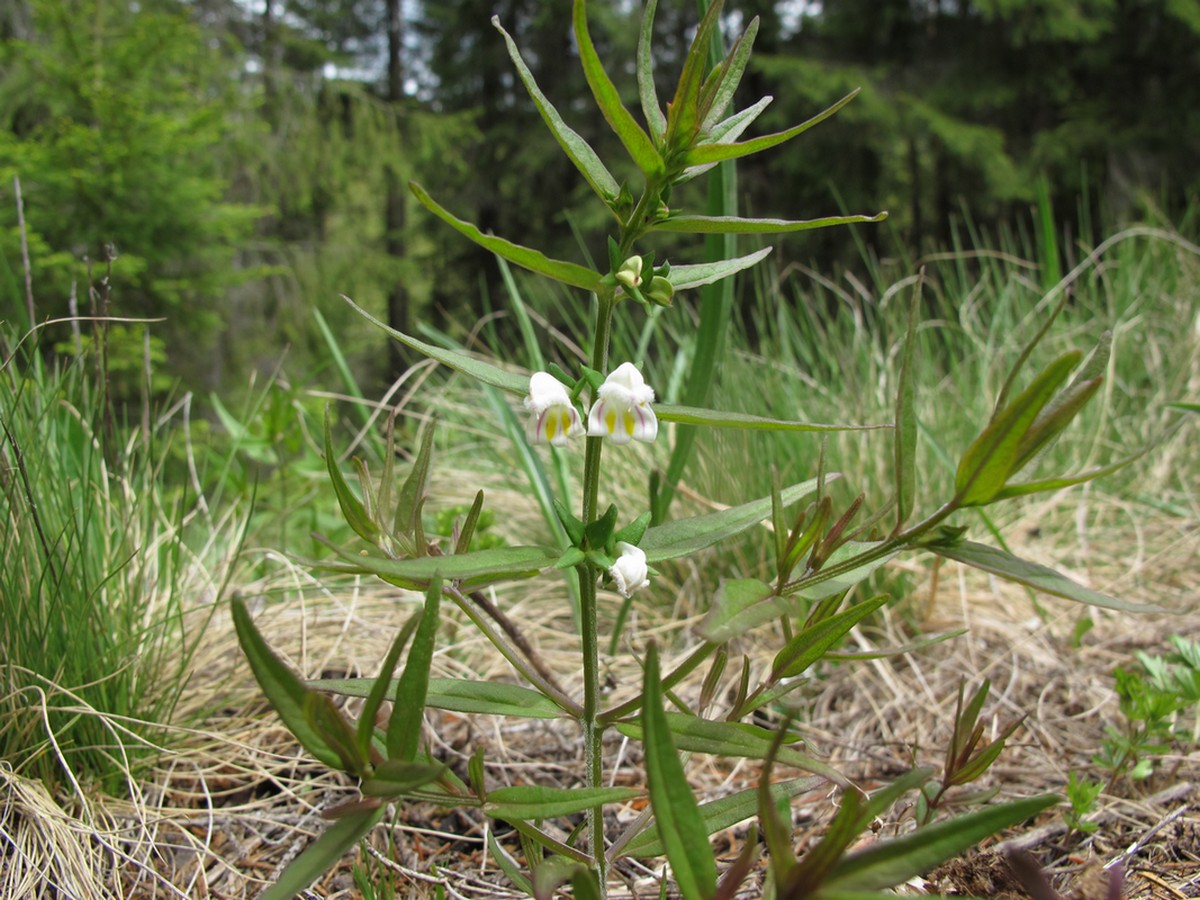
(232, 800)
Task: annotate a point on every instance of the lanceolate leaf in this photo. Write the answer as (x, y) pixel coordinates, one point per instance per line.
(683, 113)
(677, 818)
(714, 418)
(415, 487)
(736, 225)
(320, 856)
(807, 647)
(1036, 576)
(408, 712)
(378, 686)
(539, 802)
(472, 570)
(394, 777)
(692, 276)
(526, 257)
(283, 687)
(468, 365)
(645, 75)
(637, 143)
(739, 56)
(708, 153)
(458, 695)
(580, 152)
(1063, 481)
(682, 537)
(352, 508)
(894, 862)
(724, 813)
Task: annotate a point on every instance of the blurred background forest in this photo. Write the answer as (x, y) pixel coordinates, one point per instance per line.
(230, 166)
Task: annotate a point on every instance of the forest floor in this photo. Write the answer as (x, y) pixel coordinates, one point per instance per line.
(234, 800)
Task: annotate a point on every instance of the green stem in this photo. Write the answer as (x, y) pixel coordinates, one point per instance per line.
(593, 729)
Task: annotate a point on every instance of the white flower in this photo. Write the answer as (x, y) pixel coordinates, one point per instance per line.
(622, 408)
(629, 571)
(553, 418)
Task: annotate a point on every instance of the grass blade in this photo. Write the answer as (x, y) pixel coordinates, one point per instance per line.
(904, 441)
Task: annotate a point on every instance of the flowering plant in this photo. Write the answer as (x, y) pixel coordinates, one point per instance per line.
(819, 556)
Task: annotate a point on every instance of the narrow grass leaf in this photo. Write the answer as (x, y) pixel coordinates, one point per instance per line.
(531, 801)
(692, 276)
(677, 818)
(647, 92)
(738, 225)
(707, 153)
(580, 151)
(461, 362)
(988, 462)
(682, 537)
(380, 686)
(353, 510)
(394, 777)
(636, 142)
(904, 439)
(893, 862)
(811, 644)
(408, 712)
(284, 689)
(725, 813)
(1038, 577)
(323, 853)
(526, 257)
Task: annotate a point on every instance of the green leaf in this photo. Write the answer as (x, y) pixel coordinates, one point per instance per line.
(902, 650)
(395, 777)
(378, 687)
(905, 436)
(732, 127)
(683, 112)
(327, 720)
(321, 855)
(532, 801)
(284, 689)
(988, 462)
(636, 142)
(1036, 576)
(724, 813)
(1064, 481)
(677, 819)
(735, 66)
(352, 508)
(732, 739)
(581, 153)
(822, 585)
(415, 487)
(807, 647)
(686, 277)
(738, 225)
(709, 153)
(651, 108)
(713, 418)
(682, 537)
(408, 712)
(894, 862)
(471, 570)
(726, 617)
(526, 257)
(461, 362)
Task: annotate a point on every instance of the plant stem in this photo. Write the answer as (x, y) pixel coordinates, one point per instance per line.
(593, 730)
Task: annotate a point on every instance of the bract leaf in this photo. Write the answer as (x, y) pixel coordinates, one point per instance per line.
(894, 862)
(709, 153)
(636, 142)
(531, 801)
(580, 151)
(738, 225)
(645, 75)
(284, 689)
(714, 418)
(724, 813)
(682, 537)
(684, 278)
(526, 257)
(321, 855)
(408, 712)
(988, 462)
(677, 816)
(1038, 577)
(468, 365)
